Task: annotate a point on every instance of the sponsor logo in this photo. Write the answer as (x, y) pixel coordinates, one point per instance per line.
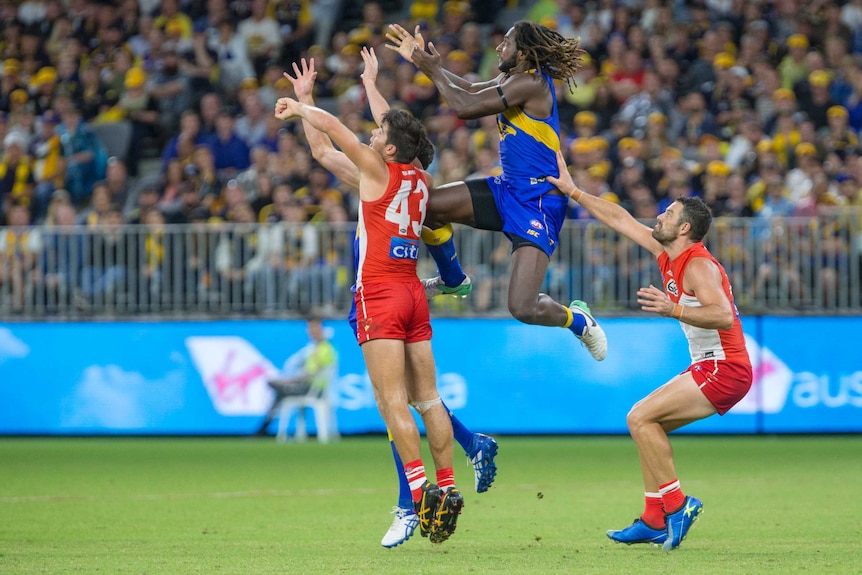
(402, 249)
(534, 181)
(774, 383)
(771, 382)
(234, 373)
(537, 224)
(533, 233)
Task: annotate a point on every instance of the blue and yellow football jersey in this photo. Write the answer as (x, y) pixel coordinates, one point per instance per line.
(528, 148)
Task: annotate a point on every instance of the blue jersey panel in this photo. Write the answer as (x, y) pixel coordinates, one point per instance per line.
(528, 148)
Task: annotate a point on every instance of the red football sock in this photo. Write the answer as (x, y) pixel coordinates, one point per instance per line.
(446, 478)
(415, 473)
(672, 496)
(653, 511)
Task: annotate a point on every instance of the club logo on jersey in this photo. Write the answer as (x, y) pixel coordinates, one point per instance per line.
(505, 130)
(537, 224)
(672, 288)
(401, 249)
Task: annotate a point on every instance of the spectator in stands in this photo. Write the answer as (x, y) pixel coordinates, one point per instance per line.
(261, 35)
(86, 158)
(230, 152)
(251, 124)
(171, 87)
(17, 182)
(47, 153)
(20, 246)
(239, 257)
(190, 132)
(230, 52)
(206, 178)
(100, 202)
(61, 259)
(817, 103)
(142, 110)
(837, 136)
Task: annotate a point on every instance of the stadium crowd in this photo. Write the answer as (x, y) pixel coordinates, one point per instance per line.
(755, 106)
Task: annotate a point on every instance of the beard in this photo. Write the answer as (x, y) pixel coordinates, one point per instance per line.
(664, 237)
(507, 65)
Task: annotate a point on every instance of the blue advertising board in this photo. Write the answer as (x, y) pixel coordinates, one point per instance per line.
(499, 376)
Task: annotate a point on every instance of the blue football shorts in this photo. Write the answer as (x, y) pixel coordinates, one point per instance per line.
(499, 207)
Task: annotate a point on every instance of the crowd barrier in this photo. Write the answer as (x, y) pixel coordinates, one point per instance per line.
(777, 266)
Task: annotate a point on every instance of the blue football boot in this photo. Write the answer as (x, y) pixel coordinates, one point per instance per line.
(638, 532)
(482, 453)
(679, 522)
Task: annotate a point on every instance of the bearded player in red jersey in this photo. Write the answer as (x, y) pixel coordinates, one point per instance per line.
(393, 321)
(698, 294)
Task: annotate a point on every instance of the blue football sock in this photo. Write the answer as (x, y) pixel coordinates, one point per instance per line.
(405, 498)
(578, 323)
(463, 436)
(447, 263)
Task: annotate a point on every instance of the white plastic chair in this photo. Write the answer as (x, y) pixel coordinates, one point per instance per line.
(321, 404)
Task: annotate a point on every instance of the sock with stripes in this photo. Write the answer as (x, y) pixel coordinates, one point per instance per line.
(653, 515)
(415, 473)
(672, 496)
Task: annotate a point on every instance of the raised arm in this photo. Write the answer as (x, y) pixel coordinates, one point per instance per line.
(612, 215)
(404, 44)
(320, 144)
(376, 101)
(468, 100)
(374, 174)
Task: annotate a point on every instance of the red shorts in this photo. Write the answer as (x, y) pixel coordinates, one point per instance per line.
(392, 310)
(724, 383)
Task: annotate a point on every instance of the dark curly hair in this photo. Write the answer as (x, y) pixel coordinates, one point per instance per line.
(559, 56)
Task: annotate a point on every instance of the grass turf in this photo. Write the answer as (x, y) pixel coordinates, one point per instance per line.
(247, 506)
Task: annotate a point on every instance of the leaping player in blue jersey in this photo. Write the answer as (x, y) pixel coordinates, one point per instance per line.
(520, 202)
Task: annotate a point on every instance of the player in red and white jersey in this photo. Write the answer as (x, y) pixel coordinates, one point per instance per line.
(698, 294)
(703, 343)
(390, 228)
(393, 322)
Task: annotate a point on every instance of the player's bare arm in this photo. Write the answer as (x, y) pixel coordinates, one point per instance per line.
(321, 147)
(378, 104)
(374, 175)
(610, 214)
(468, 100)
(703, 279)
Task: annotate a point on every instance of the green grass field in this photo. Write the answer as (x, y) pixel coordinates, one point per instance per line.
(252, 506)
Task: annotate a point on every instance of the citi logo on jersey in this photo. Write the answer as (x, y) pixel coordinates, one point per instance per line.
(402, 249)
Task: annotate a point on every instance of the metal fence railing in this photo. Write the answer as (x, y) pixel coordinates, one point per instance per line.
(804, 265)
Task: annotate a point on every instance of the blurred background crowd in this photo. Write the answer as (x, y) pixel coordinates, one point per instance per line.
(118, 119)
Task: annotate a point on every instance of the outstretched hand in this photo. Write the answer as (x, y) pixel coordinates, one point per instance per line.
(403, 42)
(564, 181)
(369, 74)
(286, 108)
(303, 83)
(653, 299)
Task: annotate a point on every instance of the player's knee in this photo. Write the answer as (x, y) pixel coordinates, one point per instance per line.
(634, 420)
(523, 313)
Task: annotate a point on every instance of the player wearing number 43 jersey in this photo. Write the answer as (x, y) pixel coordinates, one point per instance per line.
(390, 299)
(393, 324)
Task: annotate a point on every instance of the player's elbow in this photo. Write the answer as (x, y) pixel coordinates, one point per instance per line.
(726, 320)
